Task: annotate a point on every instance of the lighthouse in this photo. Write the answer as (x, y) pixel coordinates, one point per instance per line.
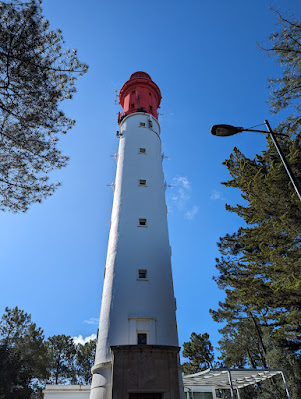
(137, 354)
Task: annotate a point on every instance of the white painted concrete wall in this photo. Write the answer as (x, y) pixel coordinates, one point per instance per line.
(67, 392)
(83, 391)
(127, 302)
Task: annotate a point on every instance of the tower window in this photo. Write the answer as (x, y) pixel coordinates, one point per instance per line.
(141, 338)
(142, 222)
(142, 182)
(150, 108)
(142, 124)
(142, 150)
(133, 92)
(142, 273)
(133, 106)
(149, 93)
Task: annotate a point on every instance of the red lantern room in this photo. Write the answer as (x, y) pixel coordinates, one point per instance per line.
(139, 94)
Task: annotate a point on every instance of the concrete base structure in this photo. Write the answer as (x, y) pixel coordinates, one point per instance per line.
(145, 371)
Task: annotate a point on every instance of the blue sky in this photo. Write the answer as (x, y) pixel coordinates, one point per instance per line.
(203, 56)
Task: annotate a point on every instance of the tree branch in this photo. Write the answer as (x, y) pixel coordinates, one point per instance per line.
(26, 61)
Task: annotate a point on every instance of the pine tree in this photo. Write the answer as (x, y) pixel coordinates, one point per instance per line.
(36, 75)
(199, 352)
(85, 356)
(260, 264)
(62, 352)
(285, 90)
(23, 355)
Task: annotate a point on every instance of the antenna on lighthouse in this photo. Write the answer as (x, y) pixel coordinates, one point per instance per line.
(112, 185)
(167, 185)
(114, 155)
(116, 102)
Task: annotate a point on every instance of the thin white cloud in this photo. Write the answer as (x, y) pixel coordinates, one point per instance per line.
(180, 197)
(190, 214)
(216, 195)
(83, 341)
(181, 194)
(92, 320)
(182, 181)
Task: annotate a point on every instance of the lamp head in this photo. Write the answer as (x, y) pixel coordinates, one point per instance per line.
(225, 130)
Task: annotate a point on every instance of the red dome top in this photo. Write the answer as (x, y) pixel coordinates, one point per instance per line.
(139, 94)
(140, 74)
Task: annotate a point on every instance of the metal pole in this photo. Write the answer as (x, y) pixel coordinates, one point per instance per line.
(285, 385)
(238, 395)
(231, 385)
(284, 161)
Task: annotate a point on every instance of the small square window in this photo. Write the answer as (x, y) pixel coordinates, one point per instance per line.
(133, 106)
(142, 339)
(150, 108)
(142, 222)
(142, 124)
(133, 92)
(142, 273)
(142, 150)
(142, 182)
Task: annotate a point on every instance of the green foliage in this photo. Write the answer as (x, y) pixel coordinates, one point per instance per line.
(36, 75)
(240, 346)
(85, 356)
(28, 362)
(199, 351)
(62, 352)
(23, 354)
(70, 363)
(285, 90)
(260, 264)
(260, 268)
(14, 381)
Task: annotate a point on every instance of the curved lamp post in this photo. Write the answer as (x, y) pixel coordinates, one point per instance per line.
(228, 130)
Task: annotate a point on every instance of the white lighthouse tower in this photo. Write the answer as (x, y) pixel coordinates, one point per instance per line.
(137, 346)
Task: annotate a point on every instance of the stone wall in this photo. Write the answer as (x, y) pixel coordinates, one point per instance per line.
(145, 369)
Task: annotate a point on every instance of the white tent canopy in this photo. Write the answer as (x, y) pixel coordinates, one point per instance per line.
(231, 378)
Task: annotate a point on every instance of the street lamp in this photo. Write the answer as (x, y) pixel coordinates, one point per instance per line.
(228, 130)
